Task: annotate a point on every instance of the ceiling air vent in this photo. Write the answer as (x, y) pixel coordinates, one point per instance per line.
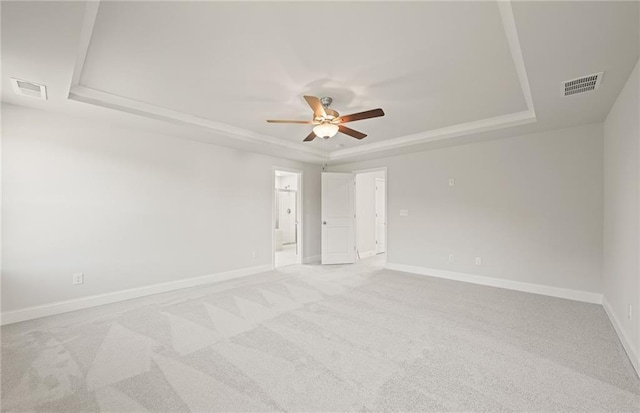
(581, 84)
(30, 89)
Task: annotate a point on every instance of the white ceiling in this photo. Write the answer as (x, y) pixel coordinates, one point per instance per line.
(444, 72)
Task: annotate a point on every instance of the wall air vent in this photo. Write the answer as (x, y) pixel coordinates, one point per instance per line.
(581, 84)
(30, 89)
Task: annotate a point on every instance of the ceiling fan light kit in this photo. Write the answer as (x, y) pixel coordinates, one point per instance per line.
(329, 122)
(325, 130)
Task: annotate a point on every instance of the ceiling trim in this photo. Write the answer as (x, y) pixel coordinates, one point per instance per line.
(97, 97)
(509, 24)
(483, 125)
(85, 94)
(90, 14)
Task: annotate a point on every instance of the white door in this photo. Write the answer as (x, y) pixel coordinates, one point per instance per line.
(338, 218)
(381, 216)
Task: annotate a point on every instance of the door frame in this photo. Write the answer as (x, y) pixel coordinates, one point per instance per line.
(299, 213)
(386, 201)
(384, 197)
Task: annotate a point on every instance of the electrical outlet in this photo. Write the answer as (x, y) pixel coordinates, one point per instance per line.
(254, 254)
(452, 182)
(478, 260)
(630, 312)
(452, 258)
(78, 278)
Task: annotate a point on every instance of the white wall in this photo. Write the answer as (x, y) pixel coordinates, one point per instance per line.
(530, 206)
(129, 209)
(366, 212)
(621, 279)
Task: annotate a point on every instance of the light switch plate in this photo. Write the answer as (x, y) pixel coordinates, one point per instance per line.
(404, 212)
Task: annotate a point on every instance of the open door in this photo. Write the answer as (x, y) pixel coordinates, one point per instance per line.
(338, 218)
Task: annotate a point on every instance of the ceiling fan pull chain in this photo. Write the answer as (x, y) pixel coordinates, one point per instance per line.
(326, 155)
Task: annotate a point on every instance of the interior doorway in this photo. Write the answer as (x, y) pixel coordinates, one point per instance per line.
(371, 213)
(287, 217)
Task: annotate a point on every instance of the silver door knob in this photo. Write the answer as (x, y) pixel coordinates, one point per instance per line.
(324, 222)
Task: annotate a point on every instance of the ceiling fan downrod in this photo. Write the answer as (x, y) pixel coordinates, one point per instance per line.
(326, 101)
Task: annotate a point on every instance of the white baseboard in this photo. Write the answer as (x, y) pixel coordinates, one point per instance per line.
(30, 313)
(367, 254)
(576, 295)
(314, 259)
(626, 343)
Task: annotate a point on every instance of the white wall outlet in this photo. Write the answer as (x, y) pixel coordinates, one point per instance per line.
(404, 212)
(630, 311)
(452, 182)
(254, 254)
(78, 278)
(452, 258)
(478, 260)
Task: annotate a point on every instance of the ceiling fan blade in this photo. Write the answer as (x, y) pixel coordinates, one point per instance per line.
(316, 105)
(351, 132)
(306, 122)
(309, 138)
(373, 113)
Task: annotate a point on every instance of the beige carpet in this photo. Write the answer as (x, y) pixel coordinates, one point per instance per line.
(312, 338)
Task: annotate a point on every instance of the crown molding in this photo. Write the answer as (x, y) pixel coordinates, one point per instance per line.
(82, 93)
(88, 22)
(509, 25)
(108, 100)
(483, 125)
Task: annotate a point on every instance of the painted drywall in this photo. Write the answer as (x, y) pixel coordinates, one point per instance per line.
(366, 212)
(621, 276)
(129, 209)
(530, 206)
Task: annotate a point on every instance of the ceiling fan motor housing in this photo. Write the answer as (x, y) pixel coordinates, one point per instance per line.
(330, 113)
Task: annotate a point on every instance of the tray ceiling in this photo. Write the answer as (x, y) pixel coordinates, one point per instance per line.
(238, 64)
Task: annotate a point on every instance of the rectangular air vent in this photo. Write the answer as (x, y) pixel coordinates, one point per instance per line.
(30, 89)
(581, 84)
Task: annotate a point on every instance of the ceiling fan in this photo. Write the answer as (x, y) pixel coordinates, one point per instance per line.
(329, 122)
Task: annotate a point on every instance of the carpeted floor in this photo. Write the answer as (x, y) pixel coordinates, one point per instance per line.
(313, 338)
